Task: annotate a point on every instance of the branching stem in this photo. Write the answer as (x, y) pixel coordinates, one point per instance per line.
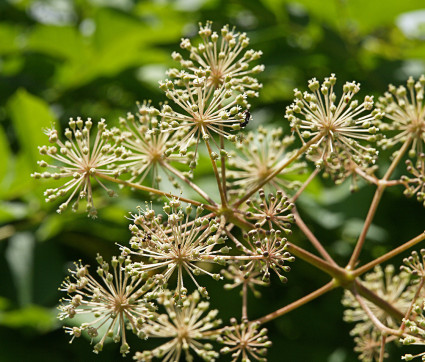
(363, 269)
(312, 238)
(195, 187)
(155, 191)
(304, 185)
(374, 205)
(217, 176)
(283, 164)
(298, 303)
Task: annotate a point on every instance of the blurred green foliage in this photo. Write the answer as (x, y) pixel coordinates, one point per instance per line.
(96, 58)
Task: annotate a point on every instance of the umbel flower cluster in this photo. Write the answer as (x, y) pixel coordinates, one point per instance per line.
(184, 237)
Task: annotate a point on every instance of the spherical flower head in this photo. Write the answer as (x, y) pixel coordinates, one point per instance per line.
(414, 264)
(226, 57)
(81, 161)
(119, 302)
(177, 245)
(241, 275)
(405, 111)
(414, 332)
(273, 210)
(185, 327)
(269, 253)
(147, 146)
(339, 127)
(204, 112)
(368, 345)
(258, 156)
(245, 341)
(415, 183)
(396, 289)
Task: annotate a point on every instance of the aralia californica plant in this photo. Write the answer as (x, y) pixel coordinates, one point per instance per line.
(155, 288)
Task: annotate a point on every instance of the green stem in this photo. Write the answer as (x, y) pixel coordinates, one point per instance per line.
(374, 180)
(244, 302)
(195, 187)
(155, 191)
(409, 311)
(382, 349)
(217, 176)
(223, 166)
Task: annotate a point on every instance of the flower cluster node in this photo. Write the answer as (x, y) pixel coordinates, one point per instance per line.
(415, 184)
(268, 249)
(120, 301)
(176, 245)
(245, 341)
(405, 111)
(186, 327)
(240, 274)
(275, 209)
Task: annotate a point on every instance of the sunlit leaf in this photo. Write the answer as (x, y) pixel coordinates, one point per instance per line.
(30, 115)
(32, 316)
(19, 255)
(9, 38)
(5, 156)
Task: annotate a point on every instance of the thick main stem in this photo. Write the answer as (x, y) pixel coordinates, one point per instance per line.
(381, 303)
(223, 165)
(217, 176)
(370, 215)
(373, 318)
(298, 303)
(333, 270)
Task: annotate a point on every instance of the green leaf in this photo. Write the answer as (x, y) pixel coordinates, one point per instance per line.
(353, 227)
(19, 255)
(5, 156)
(371, 15)
(18, 180)
(9, 38)
(4, 303)
(39, 318)
(366, 16)
(50, 227)
(51, 40)
(30, 115)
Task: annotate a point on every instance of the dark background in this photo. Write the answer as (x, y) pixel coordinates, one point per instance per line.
(63, 58)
